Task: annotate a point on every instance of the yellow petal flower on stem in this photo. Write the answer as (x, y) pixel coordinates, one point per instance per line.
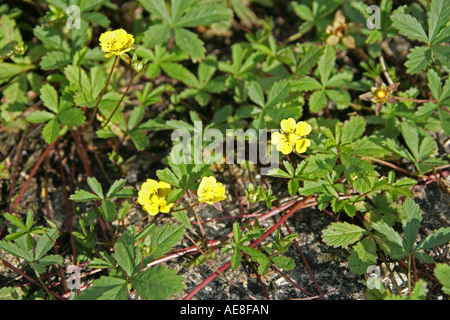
(303, 128)
(287, 125)
(152, 196)
(301, 145)
(116, 42)
(210, 191)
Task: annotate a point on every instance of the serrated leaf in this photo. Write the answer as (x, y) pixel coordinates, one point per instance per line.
(124, 253)
(363, 255)
(353, 129)
(82, 195)
(72, 117)
(326, 64)
(436, 239)
(161, 239)
(109, 210)
(158, 8)
(278, 92)
(434, 83)
(442, 273)
(49, 97)
(411, 138)
(317, 100)
(45, 243)
(190, 43)
(342, 234)
(106, 288)
(256, 94)
(283, 262)
(157, 283)
(40, 116)
(438, 17)
(409, 27)
(442, 54)
(305, 84)
(412, 223)
(204, 15)
(139, 139)
(95, 186)
(389, 232)
(418, 59)
(50, 131)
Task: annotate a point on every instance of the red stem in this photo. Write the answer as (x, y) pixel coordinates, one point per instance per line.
(297, 206)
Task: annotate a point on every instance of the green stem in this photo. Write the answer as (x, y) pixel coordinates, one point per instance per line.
(121, 99)
(409, 275)
(103, 91)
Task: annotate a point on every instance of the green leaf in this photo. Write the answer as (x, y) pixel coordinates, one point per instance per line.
(10, 70)
(16, 250)
(438, 17)
(436, 239)
(162, 239)
(109, 210)
(157, 283)
(204, 15)
(50, 131)
(40, 116)
(49, 97)
(305, 84)
(55, 60)
(326, 64)
(363, 255)
(95, 186)
(411, 138)
(442, 54)
(409, 27)
(389, 232)
(283, 262)
(317, 100)
(124, 253)
(82, 195)
(434, 83)
(45, 243)
(139, 139)
(418, 59)
(445, 120)
(72, 117)
(442, 273)
(15, 221)
(168, 176)
(353, 129)
(278, 92)
(342, 234)
(158, 8)
(106, 288)
(190, 43)
(256, 94)
(183, 218)
(293, 185)
(412, 222)
(156, 34)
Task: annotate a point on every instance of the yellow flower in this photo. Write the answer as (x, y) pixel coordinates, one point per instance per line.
(116, 42)
(210, 191)
(292, 136)
(152, 196)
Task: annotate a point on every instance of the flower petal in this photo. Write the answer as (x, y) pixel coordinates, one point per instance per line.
(302, 145)
(303, 128)
(288, 125)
